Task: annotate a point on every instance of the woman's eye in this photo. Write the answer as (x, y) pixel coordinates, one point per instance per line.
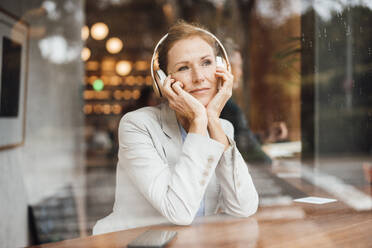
(182, 68)
(207, 62)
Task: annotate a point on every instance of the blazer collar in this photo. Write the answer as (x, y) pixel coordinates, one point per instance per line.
(169, 123)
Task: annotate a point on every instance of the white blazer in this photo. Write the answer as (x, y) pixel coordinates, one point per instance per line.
(161, 180)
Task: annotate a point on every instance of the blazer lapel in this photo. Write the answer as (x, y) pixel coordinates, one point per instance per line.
(173, 144)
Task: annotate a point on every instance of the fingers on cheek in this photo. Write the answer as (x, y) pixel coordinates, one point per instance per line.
(177, 85)
(168, 82)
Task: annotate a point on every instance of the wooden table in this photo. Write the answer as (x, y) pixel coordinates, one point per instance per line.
(298, 225)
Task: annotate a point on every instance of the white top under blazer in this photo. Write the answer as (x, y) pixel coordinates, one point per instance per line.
(161, 179)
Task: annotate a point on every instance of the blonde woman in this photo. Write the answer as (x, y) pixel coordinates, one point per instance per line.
(179, 160)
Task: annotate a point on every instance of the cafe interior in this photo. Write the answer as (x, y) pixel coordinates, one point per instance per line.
(71, 69)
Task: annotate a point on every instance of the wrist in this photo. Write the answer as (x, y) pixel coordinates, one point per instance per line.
(213, 119)
(199, 121)
(199, 125)
(213, 115)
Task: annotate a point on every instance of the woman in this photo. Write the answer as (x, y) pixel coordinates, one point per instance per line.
(179, 160)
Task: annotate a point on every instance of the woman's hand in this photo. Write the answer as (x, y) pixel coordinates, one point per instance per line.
(216, 105)
(182, 102)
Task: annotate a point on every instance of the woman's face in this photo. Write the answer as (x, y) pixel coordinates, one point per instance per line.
(192, 62)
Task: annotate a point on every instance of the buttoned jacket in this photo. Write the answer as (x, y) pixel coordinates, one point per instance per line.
(161, 179)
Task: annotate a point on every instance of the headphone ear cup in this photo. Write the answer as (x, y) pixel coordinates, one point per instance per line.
(220, 62)
(160, 78)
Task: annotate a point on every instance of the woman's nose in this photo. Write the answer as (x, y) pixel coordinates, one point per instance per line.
(198, 75)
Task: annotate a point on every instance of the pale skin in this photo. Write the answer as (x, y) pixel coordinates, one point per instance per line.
(193, 88)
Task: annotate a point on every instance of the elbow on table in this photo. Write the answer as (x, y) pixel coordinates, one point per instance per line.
(249, 211)
(177, 213)
(181, 220)
(248, 208)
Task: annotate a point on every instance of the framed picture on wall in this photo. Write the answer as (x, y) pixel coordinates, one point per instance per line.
(13, 79)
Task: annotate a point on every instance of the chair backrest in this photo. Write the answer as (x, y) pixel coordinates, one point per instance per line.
(55, 218)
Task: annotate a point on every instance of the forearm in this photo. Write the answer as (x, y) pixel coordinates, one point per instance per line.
(239, 194)
(216, 132)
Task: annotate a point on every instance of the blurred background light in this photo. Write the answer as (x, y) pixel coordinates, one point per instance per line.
(106, 109)
(108, 64)
(136, 94)
(84, 33)
(140, 80)
(130, 80)
(123, 67)
(92, 65)
(98, 85)
(141, 65)
(148, 80)
(88, 109)
(117, 94)
(99, 31)
(91, 79)
(116, 109)
(127, 94)
(58, 50)
(85, 54)
(115, 80)
(97, 109)
(114, 45)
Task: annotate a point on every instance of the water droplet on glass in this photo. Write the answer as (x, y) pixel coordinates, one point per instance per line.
(348, 30)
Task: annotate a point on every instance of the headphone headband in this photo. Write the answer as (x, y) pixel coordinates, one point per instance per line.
(154, 55)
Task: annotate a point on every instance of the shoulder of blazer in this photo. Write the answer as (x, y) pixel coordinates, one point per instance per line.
(142, 117)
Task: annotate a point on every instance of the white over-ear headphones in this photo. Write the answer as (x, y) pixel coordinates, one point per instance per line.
(159, 76)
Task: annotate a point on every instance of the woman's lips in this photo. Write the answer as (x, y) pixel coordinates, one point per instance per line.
(199, 91)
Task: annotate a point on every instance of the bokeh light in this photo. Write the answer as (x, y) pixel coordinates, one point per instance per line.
(136, 94)
(88, 109)
(130, 80)
(141, 65)
(115, 80)
(84, 33)
(106, 109)
(123, 67)
(99, 31)
(114, 45)
(127, 94)
(117, 94)
(92, 65)
(148, 80)
(85, 54)
(116, 109)
(98, 85)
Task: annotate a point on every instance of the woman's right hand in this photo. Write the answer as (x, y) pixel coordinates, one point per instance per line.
(182, 102)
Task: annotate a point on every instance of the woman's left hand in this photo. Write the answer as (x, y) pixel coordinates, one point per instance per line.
(225, 86)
